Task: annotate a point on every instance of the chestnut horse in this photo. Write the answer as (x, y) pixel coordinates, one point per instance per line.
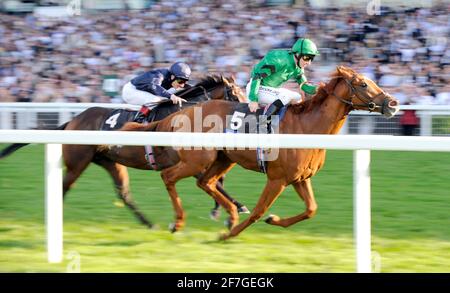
(325, 113)
(115, 159)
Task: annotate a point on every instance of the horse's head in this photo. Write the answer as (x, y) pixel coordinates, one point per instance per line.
(362, 93)
(214, 87)
(233, 91)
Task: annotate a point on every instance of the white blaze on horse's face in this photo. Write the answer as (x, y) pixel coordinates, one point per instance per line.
(390, 107)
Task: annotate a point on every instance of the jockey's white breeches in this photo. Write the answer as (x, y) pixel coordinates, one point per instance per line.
(267, 95)
(133, 96)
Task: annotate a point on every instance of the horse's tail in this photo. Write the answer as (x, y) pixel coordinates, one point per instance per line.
(15, 146)
(134, 126)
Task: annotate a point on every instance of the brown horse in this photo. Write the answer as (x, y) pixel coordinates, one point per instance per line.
(115, 159)
(325, 113)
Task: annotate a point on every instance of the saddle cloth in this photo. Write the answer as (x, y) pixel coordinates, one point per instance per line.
(241, 120)
(118, 118)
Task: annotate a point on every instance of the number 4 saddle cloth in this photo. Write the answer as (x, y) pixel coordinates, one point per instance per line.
(117, 118)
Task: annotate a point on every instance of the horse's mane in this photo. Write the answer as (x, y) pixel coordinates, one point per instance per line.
(207, 82)
(210, 82)
(320, 96)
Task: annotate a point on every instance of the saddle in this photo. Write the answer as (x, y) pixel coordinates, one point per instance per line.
(119, 117)
(241, 120)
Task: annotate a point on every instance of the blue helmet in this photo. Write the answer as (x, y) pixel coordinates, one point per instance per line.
(180, 70)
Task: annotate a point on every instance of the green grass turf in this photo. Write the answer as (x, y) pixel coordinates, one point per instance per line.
(410, 220)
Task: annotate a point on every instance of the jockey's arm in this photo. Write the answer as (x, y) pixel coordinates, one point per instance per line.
(306, 87)
(309, 88)
(258, 75)
(156, 88)
(254, 87)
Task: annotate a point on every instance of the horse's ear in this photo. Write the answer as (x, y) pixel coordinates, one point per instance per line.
(343, 71)
(233, 78)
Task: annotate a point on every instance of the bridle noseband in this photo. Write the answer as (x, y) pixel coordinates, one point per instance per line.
(368, 102)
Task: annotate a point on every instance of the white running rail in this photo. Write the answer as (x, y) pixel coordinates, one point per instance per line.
(360, 144)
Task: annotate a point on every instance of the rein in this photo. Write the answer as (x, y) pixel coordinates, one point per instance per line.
(206, 94)
(368, 102)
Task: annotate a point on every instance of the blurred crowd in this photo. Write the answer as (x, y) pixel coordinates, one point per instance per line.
(88, 58)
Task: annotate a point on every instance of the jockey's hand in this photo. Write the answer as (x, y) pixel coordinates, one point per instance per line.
(177, 100)
(295, 101)
(302, 96)
(253, 106)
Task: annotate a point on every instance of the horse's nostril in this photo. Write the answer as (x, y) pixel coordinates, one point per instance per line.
(393, 103)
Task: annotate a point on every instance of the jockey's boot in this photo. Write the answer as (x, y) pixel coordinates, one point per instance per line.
(142, 114)
(272, 110)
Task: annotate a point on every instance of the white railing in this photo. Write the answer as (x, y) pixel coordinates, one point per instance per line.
(48, 115)
(27, 115)
(359, 143)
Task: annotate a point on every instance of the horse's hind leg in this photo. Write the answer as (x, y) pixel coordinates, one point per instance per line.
(305, 191)
(76, 159)
(183, 169)
(119, 174)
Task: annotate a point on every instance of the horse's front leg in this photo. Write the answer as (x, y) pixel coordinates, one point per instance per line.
(272, 190)
(305, 191)
(215, 212)
(208, 181)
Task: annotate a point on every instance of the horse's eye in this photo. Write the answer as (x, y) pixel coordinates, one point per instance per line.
(364, 84)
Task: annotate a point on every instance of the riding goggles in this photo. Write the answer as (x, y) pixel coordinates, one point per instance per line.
(308, 57)
(181, 80)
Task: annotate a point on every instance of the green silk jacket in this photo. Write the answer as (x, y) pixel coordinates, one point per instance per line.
(277, 67)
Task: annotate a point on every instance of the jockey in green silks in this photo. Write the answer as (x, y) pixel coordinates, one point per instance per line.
(277, 67)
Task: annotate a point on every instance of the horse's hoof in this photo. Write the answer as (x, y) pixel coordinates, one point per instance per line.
(243, 210)
(173, 228)
(214, 215)
(228, 224)
(223, 236)
(271, 218)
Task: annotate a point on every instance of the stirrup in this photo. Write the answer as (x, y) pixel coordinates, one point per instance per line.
(142, 114)
(273, 109)
(139, 118)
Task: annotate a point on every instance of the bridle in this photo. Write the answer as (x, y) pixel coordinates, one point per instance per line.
(206, 93)
(367, 102)
(226, 90)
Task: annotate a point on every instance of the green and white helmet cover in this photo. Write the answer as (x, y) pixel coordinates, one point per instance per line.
(305, 47)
